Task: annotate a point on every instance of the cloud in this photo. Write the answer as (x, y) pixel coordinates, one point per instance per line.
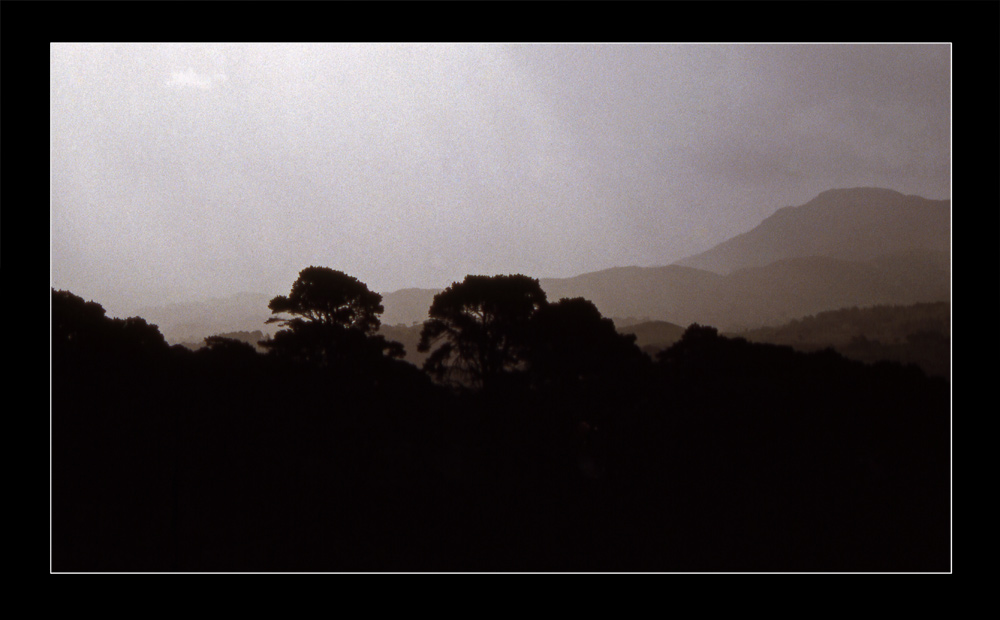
(189, 78)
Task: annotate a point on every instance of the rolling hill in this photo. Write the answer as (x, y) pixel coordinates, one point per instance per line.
(654, 336)
(191, 322)
(917, 334)
(846, 247)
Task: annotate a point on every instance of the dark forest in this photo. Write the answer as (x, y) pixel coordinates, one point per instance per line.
(534, 438)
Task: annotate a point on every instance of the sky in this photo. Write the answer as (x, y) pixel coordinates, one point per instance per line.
(187, 172)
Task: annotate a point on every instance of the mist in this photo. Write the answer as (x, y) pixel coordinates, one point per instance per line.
(182, 172)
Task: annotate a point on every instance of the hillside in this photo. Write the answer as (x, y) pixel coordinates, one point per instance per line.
(670, 293)
(857, 224)
(721, 455)
(846, 247)
(916, 334)
(654, 336)
(189, 323)
(253, 339)
(856, 247)
(192, 322)
(409, 337)
(796, 287)
(747, 298)
(759, 296)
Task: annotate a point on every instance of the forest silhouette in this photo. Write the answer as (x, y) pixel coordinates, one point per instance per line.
(534, 438)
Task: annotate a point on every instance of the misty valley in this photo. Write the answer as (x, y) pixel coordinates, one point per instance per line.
(780, 402)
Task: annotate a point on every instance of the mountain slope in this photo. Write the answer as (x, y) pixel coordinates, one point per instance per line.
(849, 224)
(191, 322)
(671, 293)
(757, 296)
(752, 297)
(854, 247)
(796, 287)
(654, 336)
(912, 334)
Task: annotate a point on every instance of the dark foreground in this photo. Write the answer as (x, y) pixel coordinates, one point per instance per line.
(720, 456)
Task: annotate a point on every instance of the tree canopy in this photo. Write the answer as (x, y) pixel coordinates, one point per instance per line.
(329, 297)
(80, 326)
(157, 452)
(334, 320)
(479, 328)
(571, 342)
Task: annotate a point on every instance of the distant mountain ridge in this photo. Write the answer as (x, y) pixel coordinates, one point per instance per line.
(407, 306)
(670, 293)
(916, 334)
(846, 247)
(848, 224)
(193, 321)
(758, 296)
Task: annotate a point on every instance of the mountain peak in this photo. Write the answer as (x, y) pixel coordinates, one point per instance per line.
(857, 192)
(850, 224)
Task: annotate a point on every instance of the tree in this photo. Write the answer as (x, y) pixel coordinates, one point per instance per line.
(571, 342)
(75, 321)
(324, 296)
(335, 318)
(479, 328)
(79, 325)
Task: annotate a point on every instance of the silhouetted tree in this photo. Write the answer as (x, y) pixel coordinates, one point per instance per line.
(693, 346)
(82, 326)
(334, 318)
(479, 328)
(726, 455)
(324, 296)
(73, 318)
(229, 347)
(572, 342)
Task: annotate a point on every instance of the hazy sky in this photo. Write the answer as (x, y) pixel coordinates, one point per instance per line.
(191, 171)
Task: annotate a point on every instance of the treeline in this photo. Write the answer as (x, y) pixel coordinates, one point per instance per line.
(918, 334)
(535, 438)
(253, 338)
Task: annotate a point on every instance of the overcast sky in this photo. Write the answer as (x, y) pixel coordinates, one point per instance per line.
(192, 171)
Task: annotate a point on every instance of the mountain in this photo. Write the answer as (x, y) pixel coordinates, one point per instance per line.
(758, 296)
(910, 334)
(857, 224)
(192, 322)
(846, 247)
(638, 293)
(918, 334)
(654, 336)
(253, 339)
(409, 337)
(796, 287)
(670, 293)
